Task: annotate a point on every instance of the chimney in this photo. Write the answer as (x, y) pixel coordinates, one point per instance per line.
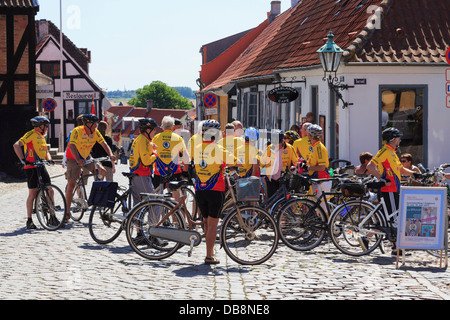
(275, 10)
(149, 105)
(42, 29)
(294, 3)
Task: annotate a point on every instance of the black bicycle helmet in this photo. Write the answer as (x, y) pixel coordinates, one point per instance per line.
(292, 135)
(39, 121)
(90, 118)
(391, 133)
(148, 123)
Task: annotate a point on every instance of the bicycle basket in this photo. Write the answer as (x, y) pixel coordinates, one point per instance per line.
(103, 194)
(353, 189)
(248, 189)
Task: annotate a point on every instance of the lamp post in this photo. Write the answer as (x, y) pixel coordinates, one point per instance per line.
(330, 57)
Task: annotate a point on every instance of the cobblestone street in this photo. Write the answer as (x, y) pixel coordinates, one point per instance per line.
(68, 264)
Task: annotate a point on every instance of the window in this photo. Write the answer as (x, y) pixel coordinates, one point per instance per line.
(82, 107)
(404, 108)
(252, 117)
(51, 69)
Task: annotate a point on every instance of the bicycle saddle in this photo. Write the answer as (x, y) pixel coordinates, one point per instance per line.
(175, 185)
(129, 174)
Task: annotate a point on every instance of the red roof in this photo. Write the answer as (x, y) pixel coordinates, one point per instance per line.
(405, 32)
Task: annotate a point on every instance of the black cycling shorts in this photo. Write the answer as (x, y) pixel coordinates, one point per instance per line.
(32, 177)
(210, 202)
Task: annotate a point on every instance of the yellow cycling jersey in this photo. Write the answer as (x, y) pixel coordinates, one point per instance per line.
(84, 142)
(389, 166)
(288, 158)
(302, 147)
(35, 147)
(231, 144)
(194, 141)
(142, 156)
(248, 156)
(209, 165)
(318, 157)
(170, 147)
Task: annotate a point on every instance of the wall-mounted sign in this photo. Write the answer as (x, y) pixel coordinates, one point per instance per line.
(44, 92)
(81, 95)
(360, 81)
(283, 94)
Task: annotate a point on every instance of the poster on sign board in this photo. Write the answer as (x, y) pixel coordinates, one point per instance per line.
(422, 221)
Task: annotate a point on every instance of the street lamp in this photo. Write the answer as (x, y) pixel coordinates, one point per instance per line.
(330, 57)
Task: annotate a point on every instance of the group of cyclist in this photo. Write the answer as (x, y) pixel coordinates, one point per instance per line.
(156, 155)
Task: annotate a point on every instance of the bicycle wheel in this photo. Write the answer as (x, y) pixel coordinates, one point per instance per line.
(302, 227)
(191, 203)
(249, 248)
(50, 206)
(106, 224)
(355, 228)
(79, 203)
(141, 219)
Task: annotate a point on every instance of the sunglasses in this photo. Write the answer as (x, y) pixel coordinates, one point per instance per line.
(403, 161)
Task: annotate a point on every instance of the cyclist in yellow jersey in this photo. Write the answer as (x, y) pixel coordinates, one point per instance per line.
(303, 146)
(142, 158)
(82, 140)
(230, 141)
(248, 155)
(34, 149)
(196, 139)
(210, 182)
(386, 167)
(171, 148)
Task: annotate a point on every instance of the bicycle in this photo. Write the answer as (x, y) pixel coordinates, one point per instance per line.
(50, 202)
(80, 199)
(436, 178)
(302, 222)
(157, 228)
(106, 224)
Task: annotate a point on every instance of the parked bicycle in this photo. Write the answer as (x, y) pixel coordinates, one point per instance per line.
(107, 223)
(50, 202)
(80, 200)
(158, 228)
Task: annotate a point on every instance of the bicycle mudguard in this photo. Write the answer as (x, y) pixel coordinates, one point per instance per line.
(177, 235)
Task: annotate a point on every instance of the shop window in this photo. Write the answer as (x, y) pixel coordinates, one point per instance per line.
(403, 108)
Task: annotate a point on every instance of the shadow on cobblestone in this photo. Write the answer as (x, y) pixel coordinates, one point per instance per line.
(19, 232)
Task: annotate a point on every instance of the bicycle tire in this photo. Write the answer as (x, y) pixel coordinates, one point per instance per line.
(300, 228)
(191, 203)
(79, 203)
(348, 236)
(106, 224)
(44, 209)
(139, 221)
(249, 248)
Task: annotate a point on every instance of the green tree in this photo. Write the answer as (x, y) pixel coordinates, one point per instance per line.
(163, 96)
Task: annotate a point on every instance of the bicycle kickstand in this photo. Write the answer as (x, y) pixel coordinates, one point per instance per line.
(193, 239)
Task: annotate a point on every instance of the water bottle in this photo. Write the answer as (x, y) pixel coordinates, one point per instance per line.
(331, 172)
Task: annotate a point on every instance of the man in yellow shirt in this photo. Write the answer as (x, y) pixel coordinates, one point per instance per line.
(231, 141)
(82, 140)
(142, 157)
(171, 148)
(303, 146)
(34, 149)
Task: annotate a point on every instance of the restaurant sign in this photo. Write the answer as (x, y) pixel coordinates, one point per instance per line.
(283, 94)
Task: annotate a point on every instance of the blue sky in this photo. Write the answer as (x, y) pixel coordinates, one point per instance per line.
(135, 42)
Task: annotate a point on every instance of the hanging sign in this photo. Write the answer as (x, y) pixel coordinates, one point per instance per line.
(283, 94)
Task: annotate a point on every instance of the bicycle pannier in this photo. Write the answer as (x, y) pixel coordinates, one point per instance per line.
(103, 194)
(353, 189)
(248, 189)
